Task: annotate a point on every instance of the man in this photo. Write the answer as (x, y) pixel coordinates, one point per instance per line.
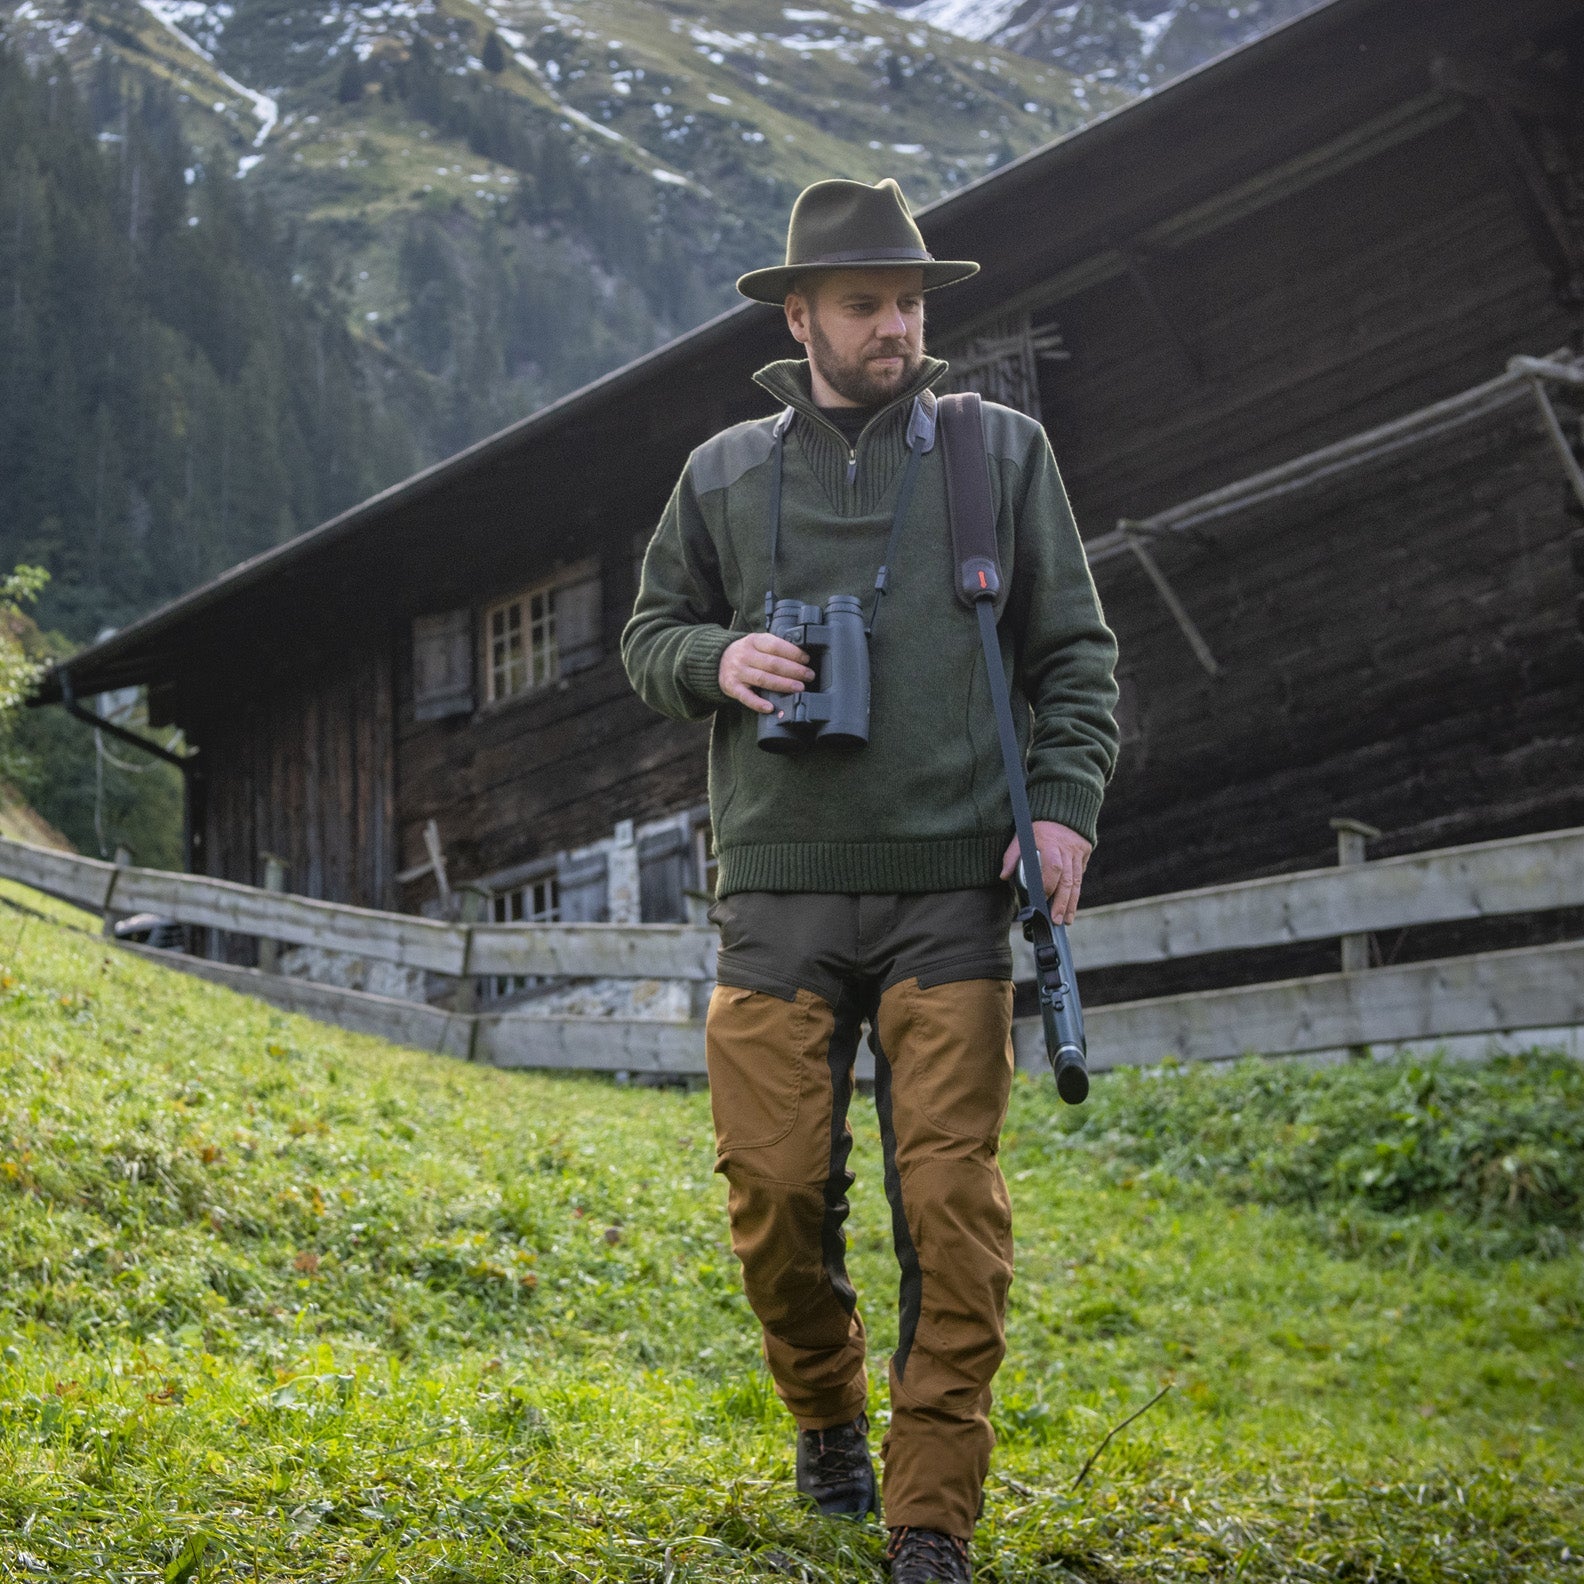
(871, 882)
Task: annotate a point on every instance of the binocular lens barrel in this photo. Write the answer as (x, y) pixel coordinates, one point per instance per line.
(834, 712)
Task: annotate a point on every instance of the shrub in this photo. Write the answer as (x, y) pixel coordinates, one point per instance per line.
(1493, 1148)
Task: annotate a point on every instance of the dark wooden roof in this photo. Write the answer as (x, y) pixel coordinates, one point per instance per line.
(1326, 89)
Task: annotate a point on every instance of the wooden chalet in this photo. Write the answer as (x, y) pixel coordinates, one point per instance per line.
(1268, 317)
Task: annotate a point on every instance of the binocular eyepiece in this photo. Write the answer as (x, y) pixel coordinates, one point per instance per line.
(834, 710)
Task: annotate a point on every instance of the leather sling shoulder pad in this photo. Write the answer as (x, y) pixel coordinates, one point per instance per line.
(969, 502)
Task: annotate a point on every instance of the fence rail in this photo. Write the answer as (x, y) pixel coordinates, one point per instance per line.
(1529, 988)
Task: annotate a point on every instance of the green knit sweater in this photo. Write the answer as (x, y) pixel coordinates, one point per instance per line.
(924, 805)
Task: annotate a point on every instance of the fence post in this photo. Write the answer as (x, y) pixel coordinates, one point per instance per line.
(274, 880)
(472, 908)
(112, 915)
(1351, 836)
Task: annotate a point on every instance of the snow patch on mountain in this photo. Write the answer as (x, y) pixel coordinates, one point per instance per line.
(169, 13)
(970, 19)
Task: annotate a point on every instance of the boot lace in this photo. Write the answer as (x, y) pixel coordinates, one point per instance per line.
(926, 1556)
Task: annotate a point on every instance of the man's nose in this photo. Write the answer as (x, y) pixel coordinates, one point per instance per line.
(893, 324)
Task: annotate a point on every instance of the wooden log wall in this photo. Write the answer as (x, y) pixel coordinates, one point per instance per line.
(1401, 646)
(1355, 299)
(305, 770)
(549, 770)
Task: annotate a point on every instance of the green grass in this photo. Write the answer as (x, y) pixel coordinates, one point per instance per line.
(286, 1303)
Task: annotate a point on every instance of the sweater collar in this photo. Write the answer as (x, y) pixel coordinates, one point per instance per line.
(788, 381)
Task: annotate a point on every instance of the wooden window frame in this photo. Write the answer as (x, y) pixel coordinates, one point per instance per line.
(529, 617)
(536, 899)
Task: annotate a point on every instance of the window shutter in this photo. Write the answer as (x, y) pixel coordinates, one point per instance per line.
(583, 891)
(578, 613)
(442, 665)
(664, 865)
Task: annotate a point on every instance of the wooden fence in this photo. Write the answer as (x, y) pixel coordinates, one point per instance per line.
(1538, 988)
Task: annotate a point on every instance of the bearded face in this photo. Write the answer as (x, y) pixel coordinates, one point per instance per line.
(864, 330)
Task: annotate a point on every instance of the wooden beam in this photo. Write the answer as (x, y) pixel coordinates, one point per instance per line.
(1331, 461)
(1523, 874)
(410, 1023)
(1494, 993)
(1557, 241)
(84, 881)
(406, 940)
(591, 1044)
(1401, 124)
(1527, 89)
(1533, 987)
(598, 951)
(645, 951)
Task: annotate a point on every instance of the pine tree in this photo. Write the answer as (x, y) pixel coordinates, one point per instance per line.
(494, 56)
(349, 89)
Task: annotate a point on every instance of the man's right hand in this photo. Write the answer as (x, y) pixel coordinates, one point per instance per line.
(761, 660)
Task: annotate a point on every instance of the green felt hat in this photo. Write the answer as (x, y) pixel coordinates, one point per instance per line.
(847, 225)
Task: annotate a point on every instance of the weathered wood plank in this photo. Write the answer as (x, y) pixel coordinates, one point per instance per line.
(1526, 874)
(386, 937)
(1487, 993)
(599, 951)
(425, 1028)
(1514, 875)
(246, 910)
(591, 1044)
(85, 881)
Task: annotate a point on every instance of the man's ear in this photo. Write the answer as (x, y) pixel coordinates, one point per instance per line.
(797, 317)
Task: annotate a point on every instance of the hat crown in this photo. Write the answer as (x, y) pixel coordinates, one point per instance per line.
(842, 222)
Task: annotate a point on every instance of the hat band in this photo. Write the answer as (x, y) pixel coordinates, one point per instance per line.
(864, 255)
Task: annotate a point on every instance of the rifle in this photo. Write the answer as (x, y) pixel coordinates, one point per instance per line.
(978, 585)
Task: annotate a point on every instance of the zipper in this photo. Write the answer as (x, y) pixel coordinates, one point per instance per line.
(813, 413)
(852, 450)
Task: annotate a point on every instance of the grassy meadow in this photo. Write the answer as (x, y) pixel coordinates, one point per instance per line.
(284, 1303)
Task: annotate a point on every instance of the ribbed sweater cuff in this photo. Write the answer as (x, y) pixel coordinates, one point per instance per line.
(1068, 803)
(701, 657)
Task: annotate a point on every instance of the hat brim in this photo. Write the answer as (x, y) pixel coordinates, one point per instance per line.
(772, 285)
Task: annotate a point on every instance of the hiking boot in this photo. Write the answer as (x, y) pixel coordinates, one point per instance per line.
(835, 1472)
(926, 1556)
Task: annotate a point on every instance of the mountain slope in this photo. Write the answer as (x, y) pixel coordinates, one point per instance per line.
(1133, 44)
(170, 402)
(513, 196)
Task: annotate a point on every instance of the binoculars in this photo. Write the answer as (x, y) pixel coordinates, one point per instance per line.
(834, 710)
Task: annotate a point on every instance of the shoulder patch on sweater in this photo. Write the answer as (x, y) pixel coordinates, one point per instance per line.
(1009, 434)
(720, 462)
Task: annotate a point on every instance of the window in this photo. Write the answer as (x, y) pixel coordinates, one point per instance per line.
(537, 902)
(543, 634)
(704, 862)
(522, 643)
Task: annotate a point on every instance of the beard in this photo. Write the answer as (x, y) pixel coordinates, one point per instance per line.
(856, 378)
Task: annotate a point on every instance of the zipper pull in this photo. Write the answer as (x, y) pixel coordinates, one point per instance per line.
(852, 466)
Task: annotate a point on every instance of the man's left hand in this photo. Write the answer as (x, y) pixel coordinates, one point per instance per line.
(1064, 855)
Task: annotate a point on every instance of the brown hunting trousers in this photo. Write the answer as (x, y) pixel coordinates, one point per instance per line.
(931, 973)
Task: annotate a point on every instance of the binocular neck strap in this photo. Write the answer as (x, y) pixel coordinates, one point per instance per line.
(777, 473)
(904, 500)
(918, 442)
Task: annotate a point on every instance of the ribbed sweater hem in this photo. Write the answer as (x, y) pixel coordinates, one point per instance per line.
(952, 863)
